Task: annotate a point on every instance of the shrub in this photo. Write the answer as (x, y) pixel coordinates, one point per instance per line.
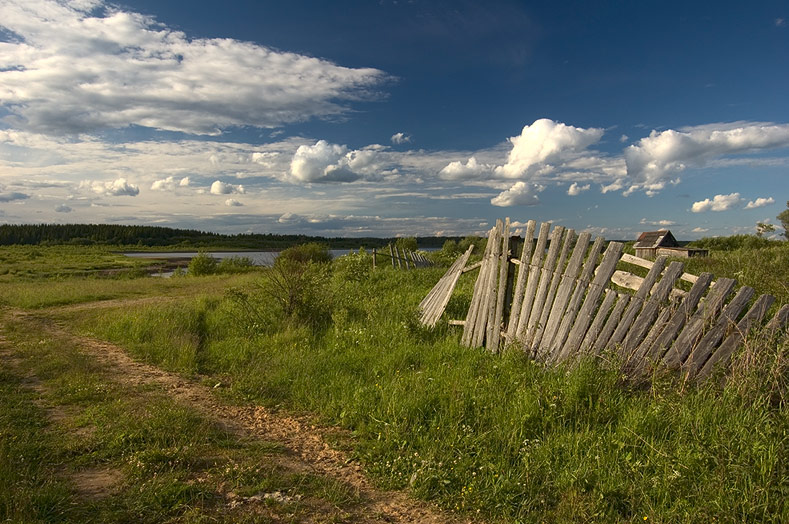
(202, 264)
(235, 265)
(311, 252)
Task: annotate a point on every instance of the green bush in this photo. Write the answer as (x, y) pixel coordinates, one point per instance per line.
(235, 264)
(203, 264)
(311, 252)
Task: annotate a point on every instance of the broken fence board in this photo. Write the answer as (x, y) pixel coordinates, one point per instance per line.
(546, 275)
(569, 280)
(709, 342)
(595, 289)
(555, 347)
(533, 278)
(557, 276)
(523, 270)
(693, 330)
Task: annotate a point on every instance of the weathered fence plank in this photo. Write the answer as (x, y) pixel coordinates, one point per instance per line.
(523, 270)
(531, 284)
(546, 275)
(693, 330)
(542, 322)
(436, 301)
(555, 347)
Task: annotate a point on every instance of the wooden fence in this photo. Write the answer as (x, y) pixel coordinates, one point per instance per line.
(402, 258)
(564, 297)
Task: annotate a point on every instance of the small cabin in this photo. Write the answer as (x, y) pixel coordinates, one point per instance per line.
(651, 244)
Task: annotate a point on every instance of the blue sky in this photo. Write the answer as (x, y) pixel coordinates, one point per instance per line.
(395, 118)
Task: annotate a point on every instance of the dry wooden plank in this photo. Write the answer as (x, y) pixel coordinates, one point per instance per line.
(722, 356)
(456, 322)
(709, 342)
(556, 345)
(437, 303)
(480, 313)
(602, 340)
(637, 302)
(651, 309)
(678, 320)
(539, 330)
(476, 297)
(638, 362)
(638, 261)
(596, 288)
(626, 280)
(597, 324)
(692, 332)
(472, 267)
(778, 321)
(504, 266)
(391, 255)
(489, 308)
(523, 269)
(546, 275)
(533, 278)
(563, 294)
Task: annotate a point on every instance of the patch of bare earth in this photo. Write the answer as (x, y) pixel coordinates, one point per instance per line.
(308, 450)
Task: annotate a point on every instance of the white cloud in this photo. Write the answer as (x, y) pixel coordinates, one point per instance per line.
(184, 182)
(117, 187)
(575, 189)
(520, 194)
(76, 67)
(63, 208)
(718, 203)
(470, 170)
(221, 188)
(545, 142)
(760, 202)
(167, 184)
(318, 163)
(699, 230)
(662, 223)
(324, 162)
(232, 202)
(654, 160)
(624, 138)
(400, 138)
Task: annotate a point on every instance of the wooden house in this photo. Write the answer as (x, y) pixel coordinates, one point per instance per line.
(653, 243)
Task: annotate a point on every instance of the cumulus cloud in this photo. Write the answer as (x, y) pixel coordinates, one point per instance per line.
(760, 202)
(545, 142)
(520, 194)
(662, 223)
(74, 67)
(699, 230)
(232, 202)
(654, 160)
(10, 197)
(324, 162)
(63, 208)
(118, 187)
(718, 203)
(470, 170)
(221, 188)
(400, 138)
(575, 189)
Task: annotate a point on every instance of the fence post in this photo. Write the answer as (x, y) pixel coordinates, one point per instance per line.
(375, 252)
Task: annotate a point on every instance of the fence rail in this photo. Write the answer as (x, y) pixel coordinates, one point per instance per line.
(562, 298)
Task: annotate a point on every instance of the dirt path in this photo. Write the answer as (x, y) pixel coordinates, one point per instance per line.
(308, 449)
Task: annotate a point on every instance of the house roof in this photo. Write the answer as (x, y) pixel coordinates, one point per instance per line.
(654, 239)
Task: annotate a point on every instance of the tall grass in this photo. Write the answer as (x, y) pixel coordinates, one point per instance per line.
(476, 432)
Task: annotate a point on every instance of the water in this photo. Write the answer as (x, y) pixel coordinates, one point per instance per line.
(259, 258)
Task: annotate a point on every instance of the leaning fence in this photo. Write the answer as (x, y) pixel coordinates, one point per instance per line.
(566, 296)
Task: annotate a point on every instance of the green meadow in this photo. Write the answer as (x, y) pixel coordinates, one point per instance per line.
(494, 436)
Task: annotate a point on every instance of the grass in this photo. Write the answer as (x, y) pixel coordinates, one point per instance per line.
(172, 463)
(482, 434)
(498, 435)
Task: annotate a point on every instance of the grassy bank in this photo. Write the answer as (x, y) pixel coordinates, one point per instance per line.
(479, 433)
(489, 435)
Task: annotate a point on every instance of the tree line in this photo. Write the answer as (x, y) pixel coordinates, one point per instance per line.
(153, 236)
